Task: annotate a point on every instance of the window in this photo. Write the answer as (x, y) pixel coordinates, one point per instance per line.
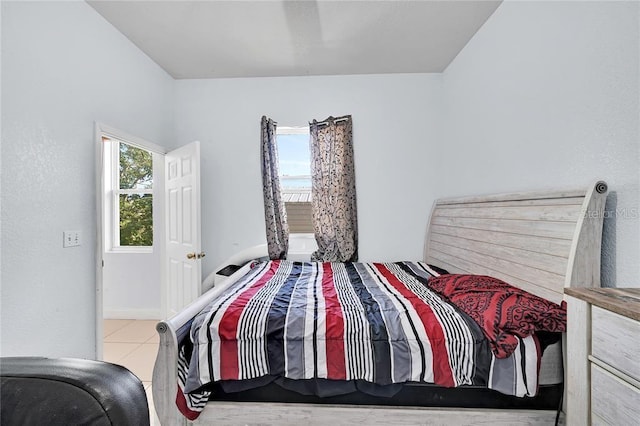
(295, 177)
(294, 157)
(129, 179)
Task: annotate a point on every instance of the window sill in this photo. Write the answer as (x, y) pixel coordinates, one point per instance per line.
(123, 250)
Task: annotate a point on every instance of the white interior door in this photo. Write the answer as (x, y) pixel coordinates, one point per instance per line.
(183, 250)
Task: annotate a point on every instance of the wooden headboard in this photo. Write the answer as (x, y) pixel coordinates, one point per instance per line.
(538, 241)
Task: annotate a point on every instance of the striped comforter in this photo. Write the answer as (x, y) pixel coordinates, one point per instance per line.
(377, 322)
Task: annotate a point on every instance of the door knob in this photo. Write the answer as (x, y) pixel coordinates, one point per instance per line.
(196, 256)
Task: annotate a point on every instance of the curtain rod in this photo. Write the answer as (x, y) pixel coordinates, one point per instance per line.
(323, 123)
(337, 120)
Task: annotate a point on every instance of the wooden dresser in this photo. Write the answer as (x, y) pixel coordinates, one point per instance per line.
(603, 356)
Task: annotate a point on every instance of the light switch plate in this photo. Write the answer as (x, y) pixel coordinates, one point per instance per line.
(71, 239)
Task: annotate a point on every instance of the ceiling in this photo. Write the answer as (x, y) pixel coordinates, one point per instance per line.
(212, 39)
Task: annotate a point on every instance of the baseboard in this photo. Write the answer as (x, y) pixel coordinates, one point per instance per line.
(137, 314)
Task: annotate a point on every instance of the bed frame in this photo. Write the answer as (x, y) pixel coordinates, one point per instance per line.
(541, 242)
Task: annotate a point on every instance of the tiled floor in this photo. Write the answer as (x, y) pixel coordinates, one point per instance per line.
(134, 345)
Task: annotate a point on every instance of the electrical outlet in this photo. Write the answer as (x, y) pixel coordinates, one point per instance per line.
(70, 239)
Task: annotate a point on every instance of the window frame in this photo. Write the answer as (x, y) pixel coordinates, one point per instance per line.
(302, 130)
(290, 130)
(113, 197)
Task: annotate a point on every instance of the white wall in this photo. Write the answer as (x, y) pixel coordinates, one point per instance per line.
(63, 67)
(396, 122)
(546, 95)
(131, 286)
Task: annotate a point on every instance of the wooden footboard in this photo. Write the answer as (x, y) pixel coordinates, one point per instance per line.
(165, 375)
(254, 413)
(165, 370)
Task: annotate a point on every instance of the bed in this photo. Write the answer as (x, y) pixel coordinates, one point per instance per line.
(539, 242)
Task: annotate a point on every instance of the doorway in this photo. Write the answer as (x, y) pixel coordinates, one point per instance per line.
(130, 192)
(169, 277)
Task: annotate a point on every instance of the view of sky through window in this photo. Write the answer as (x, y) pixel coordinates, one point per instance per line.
(295, 160)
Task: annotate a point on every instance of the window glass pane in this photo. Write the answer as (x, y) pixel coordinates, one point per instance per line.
(136, 168)
(136, 220)
(295, 160)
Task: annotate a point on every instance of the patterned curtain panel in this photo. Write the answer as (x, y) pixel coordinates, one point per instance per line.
(275, 216)
(333, 190)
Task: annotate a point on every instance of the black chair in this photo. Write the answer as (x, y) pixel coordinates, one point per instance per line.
(69, 391)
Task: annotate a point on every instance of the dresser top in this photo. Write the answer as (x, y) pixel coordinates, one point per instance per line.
(623, 301)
